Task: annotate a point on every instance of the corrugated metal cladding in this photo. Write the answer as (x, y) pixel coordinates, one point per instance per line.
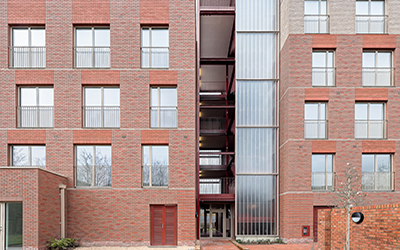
(256, 117)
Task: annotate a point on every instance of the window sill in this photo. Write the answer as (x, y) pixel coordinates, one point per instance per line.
(27, 67)
(101, 127)
(155, 187)
(91, 187)
(378, 191)
(371, 139)
(91, 68)
(319, 139)
(323, 191)
(35, 127)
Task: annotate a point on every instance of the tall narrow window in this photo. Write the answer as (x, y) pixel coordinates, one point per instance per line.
(155, 47)
(377, 172)
(28, 48)
(316, 19)
(155, 166)
(377, 68)
(315, 122)
(101, 108)
(163, 107)
(323, 71)
(322, 172)
(36, 107)
(28, 156)
(370, 121)
(92, 47)
(93, 166)
(370, 17)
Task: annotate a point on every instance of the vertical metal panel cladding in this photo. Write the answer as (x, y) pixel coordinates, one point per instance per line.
(256, 103)
(256, 150)
(257, 15)
(256, 55)
(256, 205)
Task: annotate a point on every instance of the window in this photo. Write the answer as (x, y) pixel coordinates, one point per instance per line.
(377, 172)
(377, 68)
(101, 108)
(316, 19)
(92, 47)
(315, 121)
(28, 156)
(155, 48)
(322, 172)
(370, 120)
(36, 107)
(28, 48)
(323, 71)
(93, 166)
(163, 107)
(155, 166)
(370, 17)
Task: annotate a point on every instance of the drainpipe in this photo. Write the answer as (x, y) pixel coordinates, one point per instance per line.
(62, 188)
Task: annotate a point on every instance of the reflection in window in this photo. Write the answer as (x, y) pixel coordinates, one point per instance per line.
(322, 172)
(29, 156)
(13, 230)
(92, 47)
(28, 48)
(36, 107)
(376, 172)
(163, 107)
(155, 166)
(155, 47)
(93, 166)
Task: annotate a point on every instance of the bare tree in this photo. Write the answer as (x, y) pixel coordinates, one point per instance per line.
(18, 156)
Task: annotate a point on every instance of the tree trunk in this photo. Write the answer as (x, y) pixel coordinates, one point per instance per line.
(348, 229)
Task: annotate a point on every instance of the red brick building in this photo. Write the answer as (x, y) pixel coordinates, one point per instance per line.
(98, 138)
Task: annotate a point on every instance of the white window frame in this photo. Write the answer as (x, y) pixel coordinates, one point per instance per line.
(159, 106)
(376, 173)
(376, 68)
(29, 156)
(326, 68)
(151, 166)
(319, 120)
(317, 17)
(326, 172)
(368, 120)
(369, 15)
(150, 47)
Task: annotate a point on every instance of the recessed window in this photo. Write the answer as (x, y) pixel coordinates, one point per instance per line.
(370, 121)
(28, 48)
(377, 68)
(163, 107)
(101, 108)
(93, 166)
(315, 123)
(28, 156)
(92, 47)
(155, 47)
(322, 172)
(370, 17)
(323, 71)
(155, 166)
(377, 172)
(316, 19)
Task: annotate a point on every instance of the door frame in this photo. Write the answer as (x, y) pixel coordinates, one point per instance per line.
(164, 218)
(2, 225)
(223, 211)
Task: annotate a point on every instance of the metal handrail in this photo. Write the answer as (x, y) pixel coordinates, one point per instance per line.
(157, 112)
(217, 4)
(35, 116)
(92, 177)
(327, 177)
(92, 56)
(154, 57)
(380, 22)
(101, 116)
(316, 24)
(378, 76)
(224, 185)
(370, 128)
(382, 181)
(27, 56)
(147, 175)
(328, 77)
(322, 127)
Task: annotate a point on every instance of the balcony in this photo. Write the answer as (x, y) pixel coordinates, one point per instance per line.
(27, 57)
(370, 129)
(322, 181)
(217, 4)
(89, 176)
(316, 24)
(378, 76)
(211, 125)
(323, 76)
(163, 116)
(217, 186)
(101, 116)
(155, 57)
(378, 181)
(35, 116)
(315, 129)
(92, 57)
(371, 24)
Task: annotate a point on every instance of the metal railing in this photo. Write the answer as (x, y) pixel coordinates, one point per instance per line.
(371, 129)
(212, 124)
(35, 116)
(92, 57)
(315, 129)
(27, 57)
(323, 181)
(371, 24)
(377, 76)
(323, 76)
(163, 116)
(155, 57)
(213, 159)
(158, 174)
(92, 175)
(217, 185)
(377, 181)
(316, 24)
(101, 116)
(217, 4)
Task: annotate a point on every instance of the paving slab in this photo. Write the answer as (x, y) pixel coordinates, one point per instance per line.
(304, 246)
(138, 248)
(217, 244)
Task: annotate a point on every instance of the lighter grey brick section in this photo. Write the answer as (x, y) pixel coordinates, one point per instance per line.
(393, 10)
(342, 16)
(292, 18)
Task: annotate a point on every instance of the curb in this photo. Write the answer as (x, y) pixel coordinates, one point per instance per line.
(238, 245)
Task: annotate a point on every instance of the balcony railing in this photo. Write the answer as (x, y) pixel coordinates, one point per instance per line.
(213, 159)
(377, 181)
(323, 76)
(92, 57)
(371, 24)
(212, 124)
(217, 186)
(158, 174)
(27, 57)
(89, 176)
(163, 116)
(155, 57)
(35, 116)
(101, 116)
(315, 129)
(322, 181)
(316, 24)
(377, 76)
(370, 129)
(217, 4)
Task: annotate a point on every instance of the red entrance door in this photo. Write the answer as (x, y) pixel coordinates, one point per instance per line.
(315, 222)
(163, 225)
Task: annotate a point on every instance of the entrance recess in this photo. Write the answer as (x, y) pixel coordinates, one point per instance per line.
(216, 220)
(11, 226)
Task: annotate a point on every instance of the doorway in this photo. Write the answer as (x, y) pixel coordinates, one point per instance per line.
(216, 220)
(163, 225)
(11, 226)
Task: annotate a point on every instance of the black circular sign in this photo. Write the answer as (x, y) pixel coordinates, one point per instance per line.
(357, 217)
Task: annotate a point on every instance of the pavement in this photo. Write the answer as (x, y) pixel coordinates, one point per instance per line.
(224, 244)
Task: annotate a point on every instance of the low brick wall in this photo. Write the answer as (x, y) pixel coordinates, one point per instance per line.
(379, 230)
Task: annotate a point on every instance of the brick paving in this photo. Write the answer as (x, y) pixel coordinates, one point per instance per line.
(219, 244)
(281, 247)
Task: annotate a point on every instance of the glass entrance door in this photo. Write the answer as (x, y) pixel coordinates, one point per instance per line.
(11, 226)
(215, 221)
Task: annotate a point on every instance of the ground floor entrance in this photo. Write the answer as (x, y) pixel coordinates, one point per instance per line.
(217, 220)
(11, 226)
